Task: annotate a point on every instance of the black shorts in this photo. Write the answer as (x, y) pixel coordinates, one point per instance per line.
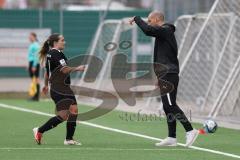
(36, 73)
(63, 101)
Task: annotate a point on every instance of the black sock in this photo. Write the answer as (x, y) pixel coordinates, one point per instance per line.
(37, 94)
(51, 123)
(71, 126)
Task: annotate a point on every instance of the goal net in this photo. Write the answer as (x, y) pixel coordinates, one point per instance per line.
(210, 62)
(188, 26)
(117, 37)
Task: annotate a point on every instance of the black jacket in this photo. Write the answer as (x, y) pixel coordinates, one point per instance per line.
(165, 48)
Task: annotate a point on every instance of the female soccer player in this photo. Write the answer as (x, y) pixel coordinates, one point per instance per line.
(57, 75)
(33, 67)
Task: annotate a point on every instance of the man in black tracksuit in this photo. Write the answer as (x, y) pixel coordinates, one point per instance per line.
(165, 52)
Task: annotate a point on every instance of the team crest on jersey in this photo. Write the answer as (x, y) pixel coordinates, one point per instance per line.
(63, 62)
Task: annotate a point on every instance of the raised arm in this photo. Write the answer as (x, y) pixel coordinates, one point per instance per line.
(153, 31)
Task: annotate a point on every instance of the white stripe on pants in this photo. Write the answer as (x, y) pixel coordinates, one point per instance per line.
(169, 99)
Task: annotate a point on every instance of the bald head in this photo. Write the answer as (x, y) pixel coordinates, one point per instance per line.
(156, 18)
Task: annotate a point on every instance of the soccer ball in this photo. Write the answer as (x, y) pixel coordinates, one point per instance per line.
(210, 126)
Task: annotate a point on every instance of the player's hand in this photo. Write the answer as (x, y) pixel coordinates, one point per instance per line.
(33, 69)
(131, 20)
(45, 90)
(80, 68)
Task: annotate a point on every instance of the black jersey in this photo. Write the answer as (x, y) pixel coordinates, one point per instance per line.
(60, 91)
(54, 62)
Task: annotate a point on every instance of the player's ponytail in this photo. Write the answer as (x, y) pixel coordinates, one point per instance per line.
(47, 45)
(43, 52)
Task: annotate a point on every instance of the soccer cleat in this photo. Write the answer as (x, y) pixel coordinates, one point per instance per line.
(72, 142)
(169, 141)
(191, 136)
(37, 135)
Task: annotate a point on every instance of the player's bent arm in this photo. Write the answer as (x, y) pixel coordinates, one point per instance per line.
(67, 69)
(150, 30)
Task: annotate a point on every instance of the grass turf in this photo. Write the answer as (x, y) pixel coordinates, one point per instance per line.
(17, 139)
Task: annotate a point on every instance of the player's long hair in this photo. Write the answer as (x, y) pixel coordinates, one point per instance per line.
(47, 45)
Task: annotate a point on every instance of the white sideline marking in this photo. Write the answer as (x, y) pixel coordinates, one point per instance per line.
(102, 149)
(118, 130)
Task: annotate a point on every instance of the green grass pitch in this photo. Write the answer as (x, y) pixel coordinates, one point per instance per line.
(17, 139)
